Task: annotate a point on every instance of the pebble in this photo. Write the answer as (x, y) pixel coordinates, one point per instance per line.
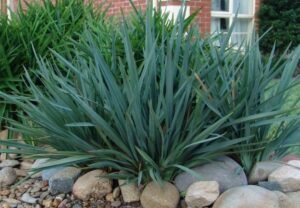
(7, 176)
(20, 172)
(56, 202)
(109, 197)
(5, 192)
(47, 203)
(63, 204)
(116, 204)
(77, 206)
(43, 195)
(9, 163)
(25, 165)
(11, 201)
(28, 199)
(5, 205)
(116, 192)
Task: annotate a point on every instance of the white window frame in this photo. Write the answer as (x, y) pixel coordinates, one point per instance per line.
(230, 14)
(9, 8)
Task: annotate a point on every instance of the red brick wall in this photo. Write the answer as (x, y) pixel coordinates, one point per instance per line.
(3, 6)
(257, 5)
(116, 6)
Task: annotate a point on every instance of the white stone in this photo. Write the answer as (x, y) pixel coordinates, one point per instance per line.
(294, 198)
(202, 193)
(26, 165)
(227, 172)
(92, 184)
(38, 163)
(7, 176)
(295, 163)
(262, 170)
(9, 163)
(249, 197)
(28, 199)
(288, 177)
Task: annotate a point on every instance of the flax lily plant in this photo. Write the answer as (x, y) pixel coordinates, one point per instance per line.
(146, 124)
(183, 103)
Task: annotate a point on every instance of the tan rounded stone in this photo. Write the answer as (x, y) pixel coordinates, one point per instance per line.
(156, 196)
(130, 192)
(202, 193)
(287, 177)
(92, 184)
(261, 171)
(248, 197)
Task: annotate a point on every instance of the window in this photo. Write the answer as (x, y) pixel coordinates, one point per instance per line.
(173, 11)
(222, 16)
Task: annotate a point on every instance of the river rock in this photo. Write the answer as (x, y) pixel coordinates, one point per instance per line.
(28, 199)
(130, 192)
(270, 185)
(202, 193)
(288, 177)
(294, 198)
(224, 170)
(25, 165)
(92, 184)
(7, 176)
(156, 196)
(9, 163)
(295, 163)
(262, 170)
(250, 197)
(47, 173)
(63, 181)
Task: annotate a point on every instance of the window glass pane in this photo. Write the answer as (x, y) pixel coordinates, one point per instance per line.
(238, 39)
(242, 25)
(220, 5)
(241, 31)
(243, 6)
(219, 24)
(173, 11)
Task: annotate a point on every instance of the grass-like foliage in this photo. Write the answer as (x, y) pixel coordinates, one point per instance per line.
(180, 102)
(147, 123)
(38, 26)
(241, 81)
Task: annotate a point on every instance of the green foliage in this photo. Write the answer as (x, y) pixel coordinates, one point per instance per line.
(239, 81)
(30, 31)
(52, 25)
(9, 77)
(146, 123)
(155, 100)
(283, 16)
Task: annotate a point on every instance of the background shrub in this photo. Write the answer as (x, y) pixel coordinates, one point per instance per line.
(33, 31)
(284, 18)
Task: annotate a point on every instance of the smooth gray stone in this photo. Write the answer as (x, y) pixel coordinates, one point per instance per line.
(224, 170)
(272, 186)
(63, 181)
